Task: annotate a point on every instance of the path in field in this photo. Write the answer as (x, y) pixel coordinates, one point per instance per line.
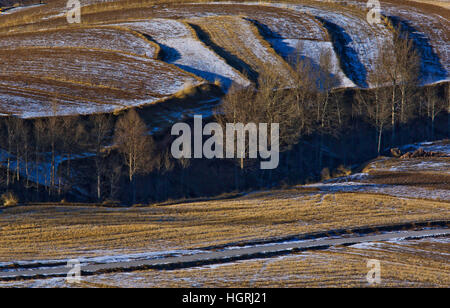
(221, 256)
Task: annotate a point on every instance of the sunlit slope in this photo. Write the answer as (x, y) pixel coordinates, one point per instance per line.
(130, 80)
(242, 45)
(219, 42)
(104, 38)
(181, 47)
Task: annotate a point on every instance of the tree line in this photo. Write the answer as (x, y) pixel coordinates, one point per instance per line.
(39, 153)
(109, 154)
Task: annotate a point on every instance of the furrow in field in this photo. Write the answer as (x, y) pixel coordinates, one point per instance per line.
(242, 45)
(105, 38)
(146, 80)
(181, 47)
(355, 41)
(431, 36)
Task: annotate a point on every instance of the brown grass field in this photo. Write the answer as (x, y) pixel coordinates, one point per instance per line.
(62, 74)
(59, 230)
(242, 45)
(105, 50)
(114, 39)
(414, 263)
(95, 67)
(63, 231)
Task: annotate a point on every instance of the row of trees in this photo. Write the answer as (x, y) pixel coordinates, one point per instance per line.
(118, 150)
(43, 151)
(312, 104)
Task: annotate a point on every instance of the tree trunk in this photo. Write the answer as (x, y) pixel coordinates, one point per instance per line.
(380, 133)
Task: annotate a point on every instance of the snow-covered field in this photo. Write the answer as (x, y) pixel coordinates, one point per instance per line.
(392, 190)
(362, 182)
(244, 37)
(37, 172)
(442, 146)
(357, 42)
(335, 266)
(150, 79)
(181, 48)
(430, 34)
(105, 38)
(310, 51)
(238, 37)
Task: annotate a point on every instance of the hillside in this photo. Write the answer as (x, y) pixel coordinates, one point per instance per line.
(220, 43)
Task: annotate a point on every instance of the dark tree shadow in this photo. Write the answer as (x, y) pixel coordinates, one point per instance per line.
(291, 54)
(348, 58)
(231, 59)
(431, 68)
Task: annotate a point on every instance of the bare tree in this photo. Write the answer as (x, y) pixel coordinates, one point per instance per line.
(408, 61)
(11, 132)
(136, 145)
(39, 132)
(53, 130)
(271, 103)
(326, 82)
(401, 64)
(23, 144)
(304, 93)
(434, 105)
(101, 131)
(72, 135)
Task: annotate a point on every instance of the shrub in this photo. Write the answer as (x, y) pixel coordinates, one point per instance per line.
(218, 83)
(188, 90)
(9, 199)
(111, 203)
(342, 171)
(325, 174)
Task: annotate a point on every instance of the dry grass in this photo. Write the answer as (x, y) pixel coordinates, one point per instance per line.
(444, 4)
(128, 77)
(418, 263)
(62, 231)
(104, 38)
(43, 17)
(9, 199)
(412, 263)
(242, 45)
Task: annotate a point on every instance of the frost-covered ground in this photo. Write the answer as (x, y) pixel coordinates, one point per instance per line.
(340, 29)
(442, 146)
(333, 266)
(101, 258)
(430, 35)
(39, 172)
(310, 51)
(392, 190)
(240, 41)
(20, 8)
(111, 73)
(91, 38)
(182, 48)
(356, 41)
(362, 182)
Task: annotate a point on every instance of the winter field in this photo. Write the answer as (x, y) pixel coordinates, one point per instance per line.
(133, 68)
(391, 191)
(209, 42)
(406, 263)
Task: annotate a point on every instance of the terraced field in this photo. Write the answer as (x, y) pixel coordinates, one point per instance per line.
(105, 38)
(132, 80)
(181, 47)
(244, 48)
(136, 45)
